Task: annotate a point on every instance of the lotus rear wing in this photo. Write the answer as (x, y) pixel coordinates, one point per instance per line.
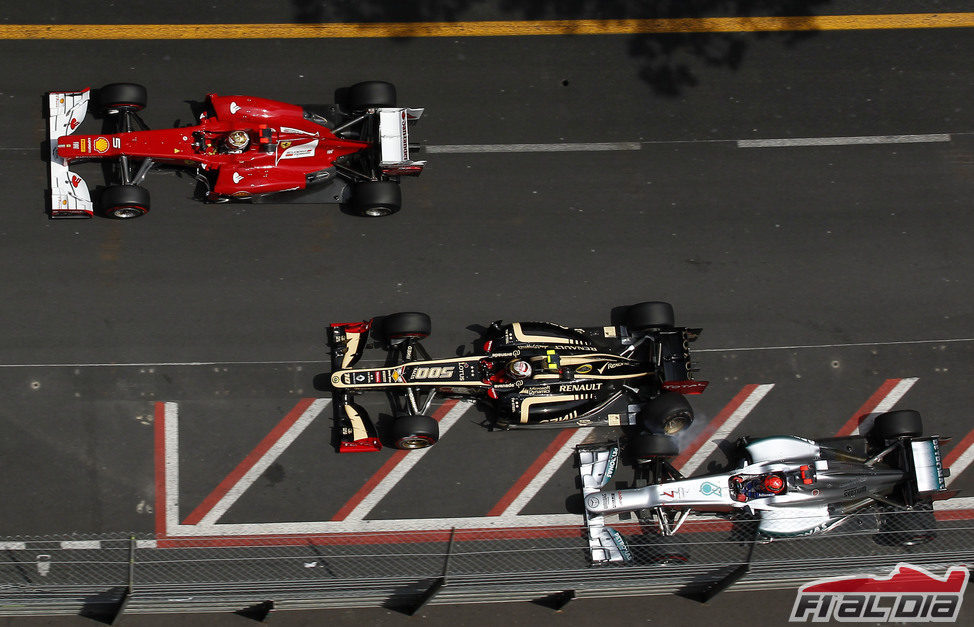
(597, 464)
(69, 192)
(673, 357)
(394, 142)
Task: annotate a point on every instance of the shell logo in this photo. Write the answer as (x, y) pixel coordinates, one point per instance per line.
(100, 144)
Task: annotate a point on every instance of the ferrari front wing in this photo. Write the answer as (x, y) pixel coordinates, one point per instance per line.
(69, 192)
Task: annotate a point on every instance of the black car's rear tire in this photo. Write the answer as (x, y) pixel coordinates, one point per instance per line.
(648, 446)
(414, 431)
(667, 414)
(895, 424)
(371, 95)
(124, 202)
(122, 96)
(650, 315)
(374, 199)
(406, 324)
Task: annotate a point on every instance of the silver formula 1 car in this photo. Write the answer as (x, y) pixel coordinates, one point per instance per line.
(533, 374)
(792, 485)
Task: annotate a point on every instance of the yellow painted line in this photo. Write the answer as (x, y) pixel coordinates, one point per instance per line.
(486, 29)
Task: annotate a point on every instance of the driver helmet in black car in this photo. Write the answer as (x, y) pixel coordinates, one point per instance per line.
(518, 369)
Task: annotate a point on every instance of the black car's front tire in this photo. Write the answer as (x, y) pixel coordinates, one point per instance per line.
(375, 199)
(667, 414)
(648, 446)
(414, 431)
(117, 96)
(124, 202)
(405, 324)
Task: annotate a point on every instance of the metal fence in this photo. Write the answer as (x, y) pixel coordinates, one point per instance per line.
(106, 576)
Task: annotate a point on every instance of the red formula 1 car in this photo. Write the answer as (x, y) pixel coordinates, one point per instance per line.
(242, 148)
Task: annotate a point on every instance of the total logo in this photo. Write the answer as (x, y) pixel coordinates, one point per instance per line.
(909, 594)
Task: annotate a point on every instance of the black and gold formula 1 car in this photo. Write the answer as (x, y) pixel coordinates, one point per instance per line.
(533, 374)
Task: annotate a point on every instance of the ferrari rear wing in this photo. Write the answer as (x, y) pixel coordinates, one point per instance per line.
(394, 142)
(69, 192)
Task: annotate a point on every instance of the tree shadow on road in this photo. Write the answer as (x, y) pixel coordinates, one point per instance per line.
(669, 61)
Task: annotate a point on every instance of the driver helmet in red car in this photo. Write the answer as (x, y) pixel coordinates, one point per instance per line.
(237, 141)
(773, 484)
(518, 369)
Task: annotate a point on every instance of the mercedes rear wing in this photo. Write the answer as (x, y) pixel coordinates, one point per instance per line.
(926, 464)
(69, 192)
(394, 142)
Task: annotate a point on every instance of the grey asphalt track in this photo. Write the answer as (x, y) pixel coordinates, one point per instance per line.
(845, 264)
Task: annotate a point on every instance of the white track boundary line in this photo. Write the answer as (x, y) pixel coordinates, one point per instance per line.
(544, 475)
(843, 141)
(402, 468)
(350, 524)
(268, 458)
(565, 147)
(738, 416)
(171, 462)
(369, 526)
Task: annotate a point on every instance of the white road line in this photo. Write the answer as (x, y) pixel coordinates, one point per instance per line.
(268, 458)
(408, 463)
(371, 526)
(725, 429)
(171, 448)
(886, 404)
(81, 544)
(963, 502)
(732, 349)
(534, 486)
(13, 546)
(301, 362)
(960, 464)
(637, 145)
(842, 141)
(566, 147)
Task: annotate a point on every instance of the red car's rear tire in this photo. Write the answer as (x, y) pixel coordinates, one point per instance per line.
(371, 95)
(375, 199)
